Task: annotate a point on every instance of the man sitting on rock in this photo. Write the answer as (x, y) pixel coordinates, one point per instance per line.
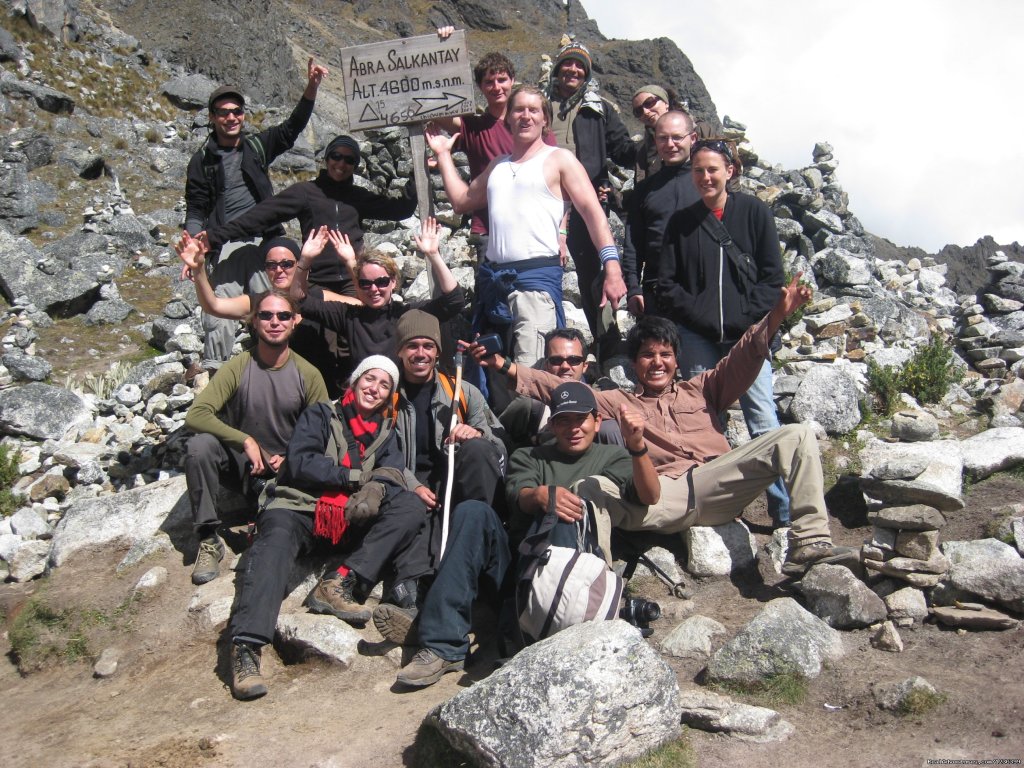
(243, 421)
(703, 482)
(478, 547)
(526, 420)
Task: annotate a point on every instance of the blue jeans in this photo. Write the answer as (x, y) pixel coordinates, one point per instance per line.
(477, 556)
(700, 354)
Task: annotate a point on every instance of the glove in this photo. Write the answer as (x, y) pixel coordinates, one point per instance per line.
(364, 504)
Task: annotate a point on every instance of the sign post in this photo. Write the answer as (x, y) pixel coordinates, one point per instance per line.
(408, 81)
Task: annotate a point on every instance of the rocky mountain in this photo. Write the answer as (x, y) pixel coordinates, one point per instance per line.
(101, 104)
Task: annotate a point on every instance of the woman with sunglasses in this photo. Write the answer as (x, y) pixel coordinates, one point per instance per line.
(649, 103)
(370, 326)
(280, 257)
(331, 200)
(721, 272)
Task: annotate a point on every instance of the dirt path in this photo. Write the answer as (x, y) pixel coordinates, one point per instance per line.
(168, 704)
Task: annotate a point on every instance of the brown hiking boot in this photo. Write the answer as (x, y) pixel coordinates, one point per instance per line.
(800, 557)
(246, 680)
(336, 595)
(396, 624)
(207, 567)
(426, 669)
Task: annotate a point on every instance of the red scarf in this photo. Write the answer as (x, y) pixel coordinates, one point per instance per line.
(329, 522)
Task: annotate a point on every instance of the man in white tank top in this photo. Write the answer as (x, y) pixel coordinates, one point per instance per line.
(527, 194)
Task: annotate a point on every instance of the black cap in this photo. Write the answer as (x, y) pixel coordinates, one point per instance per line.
(226, 90)
(573, 397)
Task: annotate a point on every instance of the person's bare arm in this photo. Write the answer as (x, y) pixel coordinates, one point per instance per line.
(464, 197)
(576, 185)
(192, 252)
(793, 296)
(346, 253)
(428, 242)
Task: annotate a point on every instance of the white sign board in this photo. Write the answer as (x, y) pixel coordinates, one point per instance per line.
(407, 81)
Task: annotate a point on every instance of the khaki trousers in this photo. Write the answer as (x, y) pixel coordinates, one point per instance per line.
(716, 493)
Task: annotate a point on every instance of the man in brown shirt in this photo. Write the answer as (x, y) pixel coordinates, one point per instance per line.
(703, 482)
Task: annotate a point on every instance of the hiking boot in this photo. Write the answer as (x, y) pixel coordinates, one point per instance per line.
(426, 669)
(207, 567)
(336, 596)
(802, 556)
(396, 624)
(246, 680)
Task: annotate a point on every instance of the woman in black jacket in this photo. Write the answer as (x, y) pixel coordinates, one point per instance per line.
(721, 272)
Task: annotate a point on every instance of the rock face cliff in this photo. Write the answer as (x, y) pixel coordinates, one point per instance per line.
(253, 43)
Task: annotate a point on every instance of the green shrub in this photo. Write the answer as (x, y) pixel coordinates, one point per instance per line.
(9, 501)
(926, 377)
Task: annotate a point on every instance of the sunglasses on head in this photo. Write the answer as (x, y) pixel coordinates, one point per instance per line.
(266, 315)
(225, 111)
(340, 157)
(380, 282)
(715, 145)
(572, 360)
(284, 264)
(648, 103)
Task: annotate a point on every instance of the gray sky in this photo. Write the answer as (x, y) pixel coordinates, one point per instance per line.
(922, 101)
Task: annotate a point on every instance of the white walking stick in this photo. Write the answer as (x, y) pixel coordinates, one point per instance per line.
(446, 514)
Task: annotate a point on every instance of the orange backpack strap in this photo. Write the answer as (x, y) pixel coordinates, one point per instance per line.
(449, 388)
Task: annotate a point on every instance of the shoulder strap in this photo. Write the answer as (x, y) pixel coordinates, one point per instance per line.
(257, 146)
(745, 266)
(448, 384)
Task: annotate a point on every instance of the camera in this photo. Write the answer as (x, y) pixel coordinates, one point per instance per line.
(492, 343)
(640, 613)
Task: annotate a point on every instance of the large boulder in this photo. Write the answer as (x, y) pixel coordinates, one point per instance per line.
(829, 396)
(783, 639)
(122, 519)
(914, 473)
(834, 594)
(594, 694)
(992, 451)
(42, 411)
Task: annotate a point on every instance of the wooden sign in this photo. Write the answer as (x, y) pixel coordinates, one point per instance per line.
(407, 81)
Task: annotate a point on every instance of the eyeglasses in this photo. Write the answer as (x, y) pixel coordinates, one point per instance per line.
(715, 145)
(225, 111)
(339, 157)
(675, 138)
(266, 315)
(573, 360)
(648, 103)
(380, 282)
(285, 264)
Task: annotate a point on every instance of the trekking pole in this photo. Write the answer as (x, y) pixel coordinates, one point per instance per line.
(446, 514)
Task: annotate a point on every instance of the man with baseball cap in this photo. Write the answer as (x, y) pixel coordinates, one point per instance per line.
(225, 178)
(478, 552)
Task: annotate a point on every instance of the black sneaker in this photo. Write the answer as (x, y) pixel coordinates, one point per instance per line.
(246, 679)
(336, 595)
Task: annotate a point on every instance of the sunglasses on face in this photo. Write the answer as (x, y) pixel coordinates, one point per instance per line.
(284, 264)
(648, 103)
(715, 145)
(339, 157)
(225, 111)
(572, 360)
(380, 282)
(266, 315)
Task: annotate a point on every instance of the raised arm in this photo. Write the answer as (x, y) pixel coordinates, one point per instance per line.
(428, 242)
(192, 252)
(464, 197)
(315, 73)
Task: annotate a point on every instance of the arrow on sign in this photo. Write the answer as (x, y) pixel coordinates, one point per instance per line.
(427, 104)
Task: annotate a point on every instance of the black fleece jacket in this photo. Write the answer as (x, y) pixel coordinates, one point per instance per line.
(698, 284)
(340, 205)
(204, 180)
(653, 203)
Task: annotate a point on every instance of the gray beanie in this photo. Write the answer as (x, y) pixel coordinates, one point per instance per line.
(385, 364)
